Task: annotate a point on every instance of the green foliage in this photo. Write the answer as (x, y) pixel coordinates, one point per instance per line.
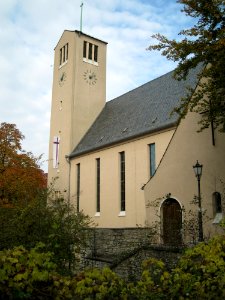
(32, 275)
(22, 271)
(203, 43)
(57, 225)
(198, 275)
(153, 283)
(68, 232)
(200, 272)
(100, 284)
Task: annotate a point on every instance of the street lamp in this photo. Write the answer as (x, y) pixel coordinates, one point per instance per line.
(198, 173)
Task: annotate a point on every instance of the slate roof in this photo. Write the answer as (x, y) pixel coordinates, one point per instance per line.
(141, 111)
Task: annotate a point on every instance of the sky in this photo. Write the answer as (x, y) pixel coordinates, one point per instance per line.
(30, 30)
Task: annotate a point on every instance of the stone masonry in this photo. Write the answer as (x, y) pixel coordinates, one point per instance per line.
(124, 250)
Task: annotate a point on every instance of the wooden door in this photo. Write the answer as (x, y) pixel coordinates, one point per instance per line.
(172, 222)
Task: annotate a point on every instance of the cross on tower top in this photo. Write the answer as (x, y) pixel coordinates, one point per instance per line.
(81, 15)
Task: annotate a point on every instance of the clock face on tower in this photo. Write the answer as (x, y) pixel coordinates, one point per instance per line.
(90, 77)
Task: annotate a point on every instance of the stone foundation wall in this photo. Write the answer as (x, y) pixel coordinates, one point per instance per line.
(124, 250)
(131, 268)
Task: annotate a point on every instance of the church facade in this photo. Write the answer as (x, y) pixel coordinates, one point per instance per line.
(128, 162)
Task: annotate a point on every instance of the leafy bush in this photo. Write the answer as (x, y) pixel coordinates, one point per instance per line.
(100, 284)
(24, 273)
(57, 225)
(200, 272)
(32, 275)
(153, 283)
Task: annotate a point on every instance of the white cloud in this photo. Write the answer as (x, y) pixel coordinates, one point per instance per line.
(31, 29)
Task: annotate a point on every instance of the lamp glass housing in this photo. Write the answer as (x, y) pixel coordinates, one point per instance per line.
(197, 169)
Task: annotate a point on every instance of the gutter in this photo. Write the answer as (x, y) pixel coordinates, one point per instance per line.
(163, 127)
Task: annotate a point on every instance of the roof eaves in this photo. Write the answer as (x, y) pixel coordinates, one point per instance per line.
(79, 33)
(87, 35)
(118, 141)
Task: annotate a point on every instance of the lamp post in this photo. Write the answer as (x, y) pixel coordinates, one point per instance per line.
(198, 173)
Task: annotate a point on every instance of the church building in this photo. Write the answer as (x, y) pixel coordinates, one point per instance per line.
(128, 162)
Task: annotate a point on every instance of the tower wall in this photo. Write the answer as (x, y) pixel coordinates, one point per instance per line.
(78, 96)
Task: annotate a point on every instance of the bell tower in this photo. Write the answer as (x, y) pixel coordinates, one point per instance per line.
(78, 96)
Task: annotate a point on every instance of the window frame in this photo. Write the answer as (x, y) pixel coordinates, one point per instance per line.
(122, 182)
(78, 187)
(217, 203)
(152, 159)
(98, 185)
(90, 53)
(95, 53)
(85, 49)
(63, 55)
(217, 207)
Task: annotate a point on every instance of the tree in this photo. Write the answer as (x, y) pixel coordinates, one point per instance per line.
(20, 174)
(29, 213)
(203, 43)
(56, 224)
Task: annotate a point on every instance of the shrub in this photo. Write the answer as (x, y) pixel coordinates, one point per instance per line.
(31, 275)
(100, 284)
(57, 225)
(153, 283)
(200, 272)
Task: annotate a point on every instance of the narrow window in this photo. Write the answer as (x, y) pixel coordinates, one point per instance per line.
(95, 53)
(90, 51)
(78, 187)
(217, 205)
(67, 51)
(60, 57)
(122, 181)
(85, 49)
(98, 185)
(63, 54)
(152, 159)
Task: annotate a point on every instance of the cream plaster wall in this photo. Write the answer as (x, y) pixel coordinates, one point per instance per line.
(137, 173)
(75, 104)
(175, 173)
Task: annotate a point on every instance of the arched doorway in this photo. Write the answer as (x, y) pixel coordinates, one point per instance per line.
(171, 222)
